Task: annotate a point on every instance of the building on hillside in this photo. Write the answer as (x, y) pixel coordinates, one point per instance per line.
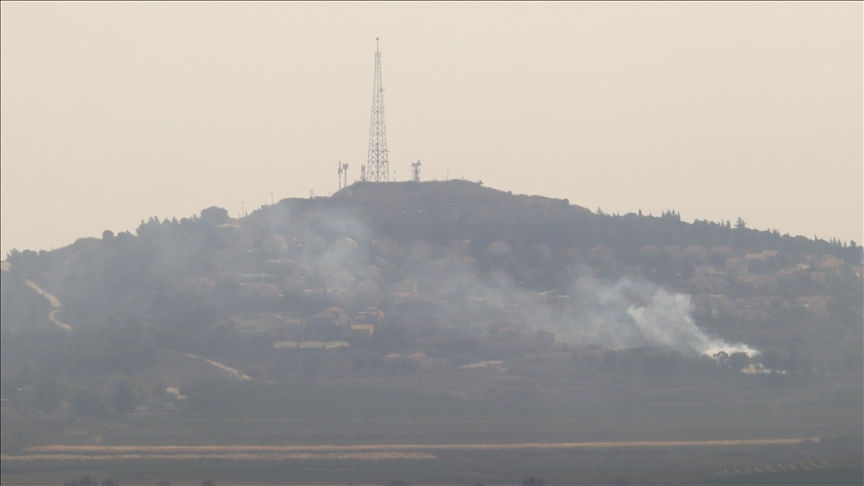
(817, 277)
(259, 291)
(277, 266)
(313, 244)
(371, 315)
(542, 252)
(427, 362)
(754, 257)
(572, 254)
(831, 266)
(707, 283)
(544, 338)
(249, 329)
(498, 249)
(715, 305)
(722, 252)
(345, 245)
(755, 309)
(696, 252)
(404, 286)
(330, 316)
(340, 296)
(467, 263)
(205, 284)
(815, 305)
(770, 255)
(385, 247)
(759, 282)
(293, 283)
(385, 266)
(336, 276)
(316, 294)
(257, 278)
(292, 326)
(650, 252)
(256, 326)
(601, 255)
(297, 268)
(459, 247)
(736, 266)
(705, 270)
(369, 272)
(402, 298)
(365, 329)
(508, 331)
(337, 312)
(676, 253)
(368, 292)
(274, 243)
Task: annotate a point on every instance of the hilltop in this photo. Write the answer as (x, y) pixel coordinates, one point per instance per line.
(439, 212)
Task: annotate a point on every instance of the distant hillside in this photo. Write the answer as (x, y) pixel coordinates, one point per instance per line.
(93, 273)
(389, 285)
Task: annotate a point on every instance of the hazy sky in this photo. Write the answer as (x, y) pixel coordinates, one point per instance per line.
(115, 112)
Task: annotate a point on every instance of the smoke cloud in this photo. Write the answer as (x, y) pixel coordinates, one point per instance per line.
(626, 313)
(632, 313)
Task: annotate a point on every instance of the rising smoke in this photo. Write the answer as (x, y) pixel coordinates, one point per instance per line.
(623, 314)
(632, 313)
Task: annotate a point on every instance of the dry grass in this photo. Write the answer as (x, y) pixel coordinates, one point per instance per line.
(360, 451)
(235, 456)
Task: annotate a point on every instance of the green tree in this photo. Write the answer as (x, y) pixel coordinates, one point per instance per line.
(123, 398)
(88, 404)
(738, 361)
(46, 395)
(213, 216)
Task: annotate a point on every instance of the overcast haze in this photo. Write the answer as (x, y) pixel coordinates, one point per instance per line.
(115, 112)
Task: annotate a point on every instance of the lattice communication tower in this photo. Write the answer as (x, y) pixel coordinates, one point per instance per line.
(377, 167)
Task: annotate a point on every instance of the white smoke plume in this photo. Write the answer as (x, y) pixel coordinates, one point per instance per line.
(631, 314)
(622, 314)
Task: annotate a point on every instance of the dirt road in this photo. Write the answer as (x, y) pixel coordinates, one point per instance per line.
(235, 373)
(234, 456)
(363, 451)
(56, 305)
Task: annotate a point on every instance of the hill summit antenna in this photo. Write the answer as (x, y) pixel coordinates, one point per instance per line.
(377, 167)
(415, 171)
(343, 175)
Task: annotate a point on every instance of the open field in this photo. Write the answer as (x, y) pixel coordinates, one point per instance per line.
(644, 462)
(244, 432)
(88, 449)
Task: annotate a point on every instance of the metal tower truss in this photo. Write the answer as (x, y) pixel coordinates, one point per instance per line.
(377, 166)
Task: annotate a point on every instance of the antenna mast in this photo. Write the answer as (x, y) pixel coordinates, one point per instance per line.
(415, 171)
(345, 175)
(377, 167)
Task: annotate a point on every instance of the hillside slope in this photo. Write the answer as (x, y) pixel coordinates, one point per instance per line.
(444, 293)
